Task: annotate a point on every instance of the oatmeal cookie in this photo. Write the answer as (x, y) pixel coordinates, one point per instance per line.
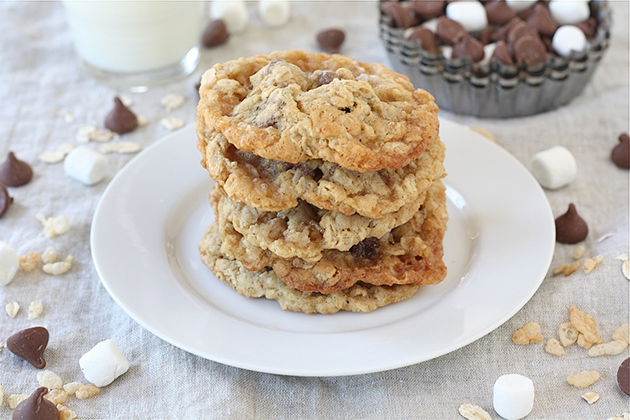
(265, 283)
(410, 253)
(271, 185)
(294, 107)
(304, 231)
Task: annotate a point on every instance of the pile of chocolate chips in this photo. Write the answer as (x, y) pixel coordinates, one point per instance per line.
(523, 37)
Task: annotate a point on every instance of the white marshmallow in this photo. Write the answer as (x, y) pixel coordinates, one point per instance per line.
(520, 5)
(513, 396)
(233, 12)
(431, 25)
(569, 12)
(447, 51)
(86, 165)
(569, 38)
(275, 13)
(470, 14)
(9, 263)
(104, 363)
(554, 168)
(488, 51)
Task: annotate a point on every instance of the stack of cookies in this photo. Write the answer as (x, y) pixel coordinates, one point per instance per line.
(328, 194)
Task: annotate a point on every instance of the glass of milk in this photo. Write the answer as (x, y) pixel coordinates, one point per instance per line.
(136, 44)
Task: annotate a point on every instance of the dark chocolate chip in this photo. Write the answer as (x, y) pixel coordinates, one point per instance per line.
(427, 9)
(448, 30)
(468, 46)
(623, 376)
(589, 27)
(36, 407)
(330, 40)
(485, 36)
(367, 248)
(525, 14)
(502, 53)
(570, 227)
(29, 344)
(530, 50)
(5, 199)
(427, 39)
(216, 33)
(501, 34)
(519, 31)
(620, 154)
(542, 21)
(402, 17)
(499, 12)
(120, 119)
(14, 172)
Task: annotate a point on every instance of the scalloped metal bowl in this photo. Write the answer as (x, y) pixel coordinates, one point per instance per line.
(493, 89)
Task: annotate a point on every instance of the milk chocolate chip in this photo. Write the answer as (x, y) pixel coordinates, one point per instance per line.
(120, 119)
(621, 153)
(542, 21)
(499, 12)
(29, 344)
(519, 31)
(330, 40)
(14, 172)
(36, 407)
(215, 33)
(501, 34)
(589, 27)
(530, 50)
(402, 17)
(623, 376)
(502, 53)
(468, 46)
(5, 200)
(449, 31)
(428, 9)
(570, 227)
(428, 41)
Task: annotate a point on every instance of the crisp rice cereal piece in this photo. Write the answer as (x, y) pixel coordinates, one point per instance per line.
(102, 135)
(142, 121)
(87, 391)
(50, 157)
(622, 257)
(54, 226)
(56, 396)
(122, 147)
(1, 396)
(29, 261)
(65, 413)
(14, 399)
(66, 115)
(171, 123)
(554, 347)
(173, 101)
(578, 252)
(589, 264)
(625, 269)
(568, 334)
(49, 255)
(484, 132)
(35, 309)
(126, 100)
(583, 342)
(611, 348)
(65, 148)
(12, 309)
(566, 269)
(622, 333)
(473, 412)
(529, 333)
(58, 268)
(584, 379)
(591, 397)
(85, 133)
(71, 387)
(49, 379)
(585, 324)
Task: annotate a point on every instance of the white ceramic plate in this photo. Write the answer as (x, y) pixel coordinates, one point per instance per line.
(498, 247)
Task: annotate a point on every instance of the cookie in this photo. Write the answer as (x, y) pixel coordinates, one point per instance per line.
(294, 107)
(271, 185)
(265, 283)
(304, 231)
(410, 253)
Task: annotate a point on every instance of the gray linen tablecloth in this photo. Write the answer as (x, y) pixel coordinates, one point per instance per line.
(39, 76)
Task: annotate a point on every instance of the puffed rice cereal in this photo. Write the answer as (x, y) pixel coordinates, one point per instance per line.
(49, 255)
(65, 413)
(171, 123)
(72, 387)
(56, 396)
(585, 324)
(584, 379)
(12, 309)
(122, 147)
(591, 397)
(54, 226)
(60, 267)
(14, 399)
(528, 334)
(473, 412)
(566, 269)
(622, 333)
(568, 334)
(35, 309)
(49, 379)
(589, 264)
(578, 252)
(554, 347)
(87, 391)
(29, 261)
(611, 348)
(172, 101)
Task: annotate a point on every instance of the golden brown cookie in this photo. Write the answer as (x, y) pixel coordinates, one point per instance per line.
(271, 185)
(294, 106)
(410, 253)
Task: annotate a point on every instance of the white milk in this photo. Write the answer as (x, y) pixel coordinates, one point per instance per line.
(134, 36)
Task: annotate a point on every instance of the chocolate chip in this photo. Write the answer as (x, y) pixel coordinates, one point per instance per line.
(570, 227)
(427, 39)
(14, 172)
(367, 248)
(525, 14)
(530, 50)
(428, 9)
(502, 53)
(120, 119)
(5, 199)
(623, 376)
(215, 33)
(519, 31)
(330, 40)
(36, 407)
(402, 17)
(542, 21)
(29, 344)
(501, 34)
(449, 31)
(468, 46)
(499, 12)
(485, 36)
(621, 153)
(589, 27)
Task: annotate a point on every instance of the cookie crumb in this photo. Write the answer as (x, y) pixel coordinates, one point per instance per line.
(554, 347)
(35, 310)
(584, 379)
(12, 309)
(473, 412)
(528, 334)
(29, 261)
(591, 397)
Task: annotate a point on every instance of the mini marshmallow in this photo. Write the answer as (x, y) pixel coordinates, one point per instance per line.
(86, 165)
(104, 363)
(513, 396)
(275, 13)
(554, 168)
(470, 14)
(233, 12)
(520, 5)
(569, 12)
(9, 263)
(569, 38)
(431, 25)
